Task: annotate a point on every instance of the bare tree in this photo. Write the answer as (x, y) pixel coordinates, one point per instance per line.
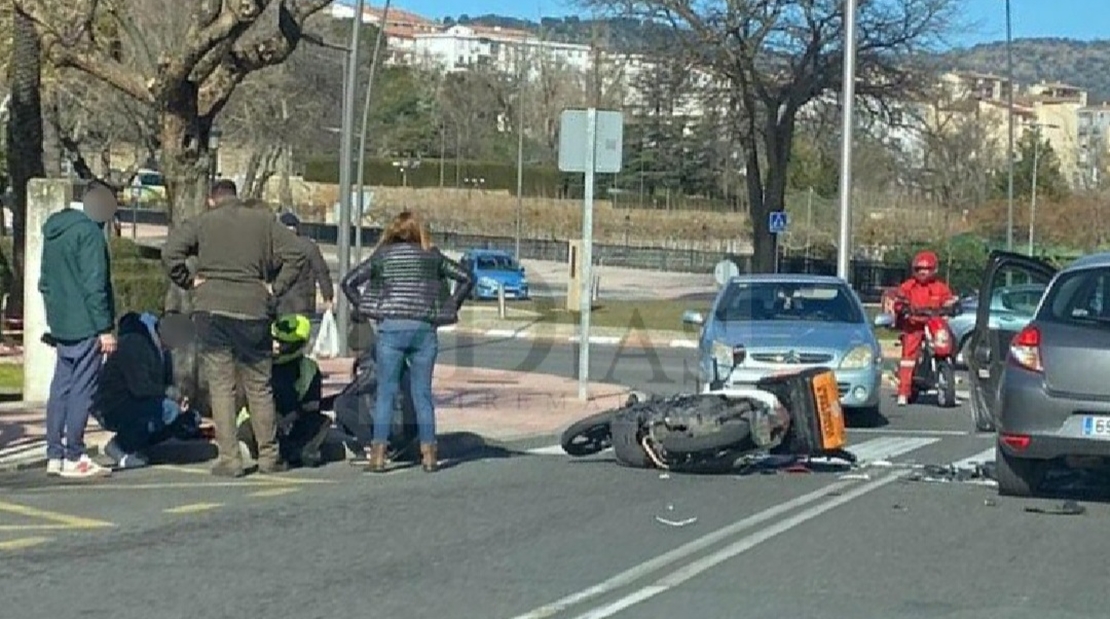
(960, 153)
(184, 60)
(24, 138)
(776, 56)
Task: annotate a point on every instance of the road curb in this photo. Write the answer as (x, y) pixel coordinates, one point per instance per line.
(631, 340)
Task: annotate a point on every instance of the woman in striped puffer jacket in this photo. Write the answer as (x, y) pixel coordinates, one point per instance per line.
(404, 287)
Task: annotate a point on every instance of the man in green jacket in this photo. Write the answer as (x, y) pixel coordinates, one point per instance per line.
(235, 304)
(76, 287)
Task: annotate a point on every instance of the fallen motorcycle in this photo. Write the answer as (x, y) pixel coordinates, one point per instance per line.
(797, 414)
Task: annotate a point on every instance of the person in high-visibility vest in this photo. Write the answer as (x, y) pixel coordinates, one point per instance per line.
(297, 383)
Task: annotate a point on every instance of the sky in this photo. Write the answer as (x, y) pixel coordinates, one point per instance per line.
(1077, 19)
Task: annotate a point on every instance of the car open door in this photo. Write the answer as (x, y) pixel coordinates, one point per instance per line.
(990, 341)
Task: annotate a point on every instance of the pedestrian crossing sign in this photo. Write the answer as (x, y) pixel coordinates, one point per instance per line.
(777, 222)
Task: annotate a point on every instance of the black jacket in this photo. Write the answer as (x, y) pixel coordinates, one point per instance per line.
(404, 281)
(138, 370)
(301, 296)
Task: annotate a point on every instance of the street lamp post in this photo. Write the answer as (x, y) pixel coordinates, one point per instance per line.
(1033, 189)
(214, 135)
(847, 106)
(1010, 132)
(343, 226)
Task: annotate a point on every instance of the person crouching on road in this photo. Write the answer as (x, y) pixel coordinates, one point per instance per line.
(408, 295)
(298, 385)
(136, 398)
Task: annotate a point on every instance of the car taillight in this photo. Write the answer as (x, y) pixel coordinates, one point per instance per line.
(1025, 349)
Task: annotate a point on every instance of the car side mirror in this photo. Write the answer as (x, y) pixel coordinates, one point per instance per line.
(690, 317)
(885, 321)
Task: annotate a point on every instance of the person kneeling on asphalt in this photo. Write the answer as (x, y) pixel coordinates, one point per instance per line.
(298, 386)
(136, 397)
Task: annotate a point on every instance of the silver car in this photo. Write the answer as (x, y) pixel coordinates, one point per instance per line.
(765, 324)
(1012, 306)
(1044, 386)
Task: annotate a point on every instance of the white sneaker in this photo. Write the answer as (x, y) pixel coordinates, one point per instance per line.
(84, 468)
(54, 467)
(903, 400)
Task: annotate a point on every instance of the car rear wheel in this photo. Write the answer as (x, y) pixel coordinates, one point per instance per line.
(1018, 477)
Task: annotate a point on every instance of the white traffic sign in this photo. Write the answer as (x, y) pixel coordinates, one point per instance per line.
(777, 222)
(724, 271)
(575, 138)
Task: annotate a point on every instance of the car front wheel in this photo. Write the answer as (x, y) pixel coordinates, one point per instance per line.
(1018, 477)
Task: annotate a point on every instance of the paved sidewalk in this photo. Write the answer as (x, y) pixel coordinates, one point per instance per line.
(494, 404)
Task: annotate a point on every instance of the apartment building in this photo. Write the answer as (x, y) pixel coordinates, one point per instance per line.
(1093, 135)
(401, 29)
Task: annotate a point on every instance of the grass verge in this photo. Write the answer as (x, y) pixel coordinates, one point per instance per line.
(631, 315)
(11, 378)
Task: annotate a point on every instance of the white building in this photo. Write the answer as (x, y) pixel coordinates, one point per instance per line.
(401, 29)
(462, 47)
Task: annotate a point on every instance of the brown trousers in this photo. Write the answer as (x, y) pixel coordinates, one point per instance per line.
(236, 358)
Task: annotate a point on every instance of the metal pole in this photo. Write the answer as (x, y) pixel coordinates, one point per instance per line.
(519, 158)
(1010, 132)
(585, 301)
(361, 210)
(847, 105)
(1033, 195)
(343, 226)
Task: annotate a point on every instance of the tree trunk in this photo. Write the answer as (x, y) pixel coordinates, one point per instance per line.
(285, 188)
(25, 157)
(186, 161)
(254, 162)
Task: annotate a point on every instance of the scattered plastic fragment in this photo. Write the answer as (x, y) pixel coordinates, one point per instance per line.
(1067, 508)
(677, 523)
(664, 476)
(859, 476)
(881, 463)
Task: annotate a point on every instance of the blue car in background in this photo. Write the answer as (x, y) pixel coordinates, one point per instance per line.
(493, 269)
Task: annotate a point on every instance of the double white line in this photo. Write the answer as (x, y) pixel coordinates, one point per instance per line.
(836, 494)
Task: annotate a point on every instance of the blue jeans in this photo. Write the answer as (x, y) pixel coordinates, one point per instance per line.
(419, 345)
(76, 374)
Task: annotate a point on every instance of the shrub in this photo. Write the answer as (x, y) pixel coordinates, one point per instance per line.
(962, 260)
(137, 276)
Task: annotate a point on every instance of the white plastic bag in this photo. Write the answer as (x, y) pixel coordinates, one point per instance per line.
(327, 340)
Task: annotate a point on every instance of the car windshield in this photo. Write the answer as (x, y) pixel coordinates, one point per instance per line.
(762, 301)
(1081, 297)
(496, 263)
(150, 179)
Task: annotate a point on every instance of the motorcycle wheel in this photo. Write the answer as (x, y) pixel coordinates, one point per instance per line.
(946, 384)
(588, 436)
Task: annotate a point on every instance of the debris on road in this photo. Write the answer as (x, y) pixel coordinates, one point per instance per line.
(675, 523)
(1067, 508)
(982, 474)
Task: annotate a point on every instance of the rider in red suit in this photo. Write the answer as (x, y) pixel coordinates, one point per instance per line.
(922, 291)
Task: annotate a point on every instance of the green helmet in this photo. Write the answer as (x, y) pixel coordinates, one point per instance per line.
(291, 335)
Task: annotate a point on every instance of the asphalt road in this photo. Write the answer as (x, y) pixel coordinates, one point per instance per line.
(505, 532)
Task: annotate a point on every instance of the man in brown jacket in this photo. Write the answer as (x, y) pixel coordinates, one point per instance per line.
(235, 247)
(301, 298)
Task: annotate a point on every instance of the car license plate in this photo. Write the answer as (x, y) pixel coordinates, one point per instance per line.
(826, 394)
(1096, 427)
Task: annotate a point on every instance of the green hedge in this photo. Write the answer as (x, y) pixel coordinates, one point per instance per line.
(962, 260)
(541, 181)
(137, 276)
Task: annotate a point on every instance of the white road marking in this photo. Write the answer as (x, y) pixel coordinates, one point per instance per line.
(734, 549)
(911, 432)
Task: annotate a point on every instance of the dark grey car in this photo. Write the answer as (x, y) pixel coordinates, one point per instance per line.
(1045, 387)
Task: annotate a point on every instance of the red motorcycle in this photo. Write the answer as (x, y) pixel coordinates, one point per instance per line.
(935, 370)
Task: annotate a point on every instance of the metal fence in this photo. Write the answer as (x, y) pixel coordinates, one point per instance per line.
(868, 277)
